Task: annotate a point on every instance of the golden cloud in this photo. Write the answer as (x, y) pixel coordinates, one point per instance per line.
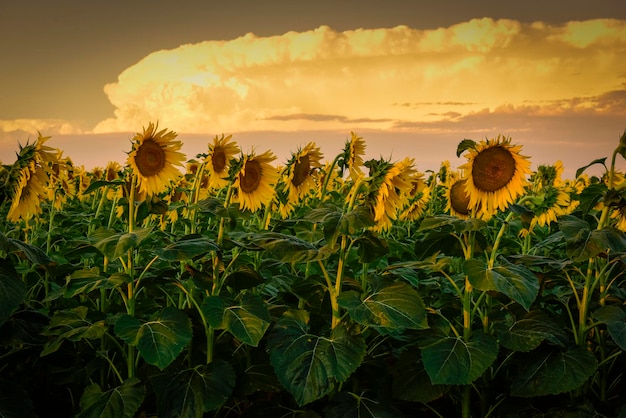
(374, 78)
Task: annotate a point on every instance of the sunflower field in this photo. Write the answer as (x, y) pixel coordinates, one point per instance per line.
(232, 285)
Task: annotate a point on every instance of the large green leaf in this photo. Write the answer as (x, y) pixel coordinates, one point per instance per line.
(347, 404)
(122, 401)
(370, 247)
(458, 225)
(550, 372)
(12, 290)
(613, 317)
(247, 320)
(308, 365)
(72, 325)
(411, 382)
(187, 248)
(193, 392)
(116, 244)
(583, 243)
(87, 280)
(159, 340)
(396, 306)
(34, 254)
(453, 361)
(515, 281)
(525, 334)
(286, 247)
(336, 222)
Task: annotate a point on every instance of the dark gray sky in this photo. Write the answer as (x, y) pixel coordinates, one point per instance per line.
(56, 55)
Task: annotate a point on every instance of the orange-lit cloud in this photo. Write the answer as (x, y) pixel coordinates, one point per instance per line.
(374, 78)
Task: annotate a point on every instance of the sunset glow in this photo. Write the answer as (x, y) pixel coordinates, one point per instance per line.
(475, 78)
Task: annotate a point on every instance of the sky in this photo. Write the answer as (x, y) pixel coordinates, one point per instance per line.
(413, 78)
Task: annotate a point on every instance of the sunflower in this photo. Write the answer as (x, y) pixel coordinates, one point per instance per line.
(496, 175)
(221, 151)
(352, 156)
(255, 180)
(154, 158)
(419, 196)
(549, 197)
(301, 172)
(29, 194)
(390, 186)
(457, 197)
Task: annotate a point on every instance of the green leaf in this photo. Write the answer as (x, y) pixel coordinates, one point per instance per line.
(582, 243)
(591, 195)
(122, 401)
(244, 278)
(411, 382)
(337, 223)
(193, 392)
(370, 247)
(34, 254)
(453, 361)
(515, 281)
(87, 280)
(73, 325)
(613, 317)
(12, 290)
(246, 321)
(527, 333)
(396, 305)
(598, 161)
(187, 248)
(114, 245)
(102, 183)
(550, 372)
(307, 365)
(347, 404)
(285, 247)
(159, 340)
(464, 145)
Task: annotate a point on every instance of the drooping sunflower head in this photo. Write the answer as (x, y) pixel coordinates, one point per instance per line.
(458, 200)
(218, 160)
(301, 172)
(255, 180)
(390, 186)
(496, 174)
(29, 194)
(154, 159)
(419, 196)
(352, 156)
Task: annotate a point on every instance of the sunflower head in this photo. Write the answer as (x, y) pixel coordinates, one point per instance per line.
(548, 175)
(390, 185)
(496, 175)
(458, 199)
(300, 173)
(352, 156)
(218, 160)
(255, 180)
(28, 195)
(154, 159)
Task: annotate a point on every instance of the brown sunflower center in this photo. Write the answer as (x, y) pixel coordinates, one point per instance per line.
(251, 178)
(218, 159)
(493, 169)
(150, 158)
(459, 199)
(301, 170)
